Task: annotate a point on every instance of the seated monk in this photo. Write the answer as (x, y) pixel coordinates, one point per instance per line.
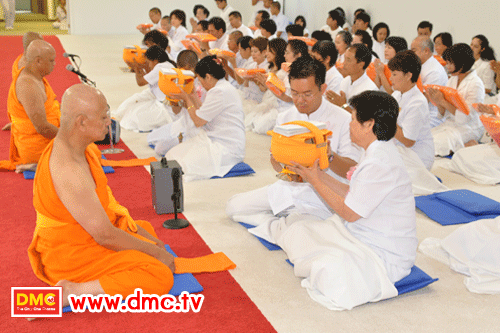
(97, 248)
(32, 107)
(20, 61)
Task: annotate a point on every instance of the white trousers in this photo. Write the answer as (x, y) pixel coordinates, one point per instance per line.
(9, 12)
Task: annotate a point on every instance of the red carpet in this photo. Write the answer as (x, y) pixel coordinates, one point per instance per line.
(226, 307)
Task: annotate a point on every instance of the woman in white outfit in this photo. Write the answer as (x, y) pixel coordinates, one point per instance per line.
(145, 111)
(178, 21)
(380, 33)
(483, 54)
(458, 129)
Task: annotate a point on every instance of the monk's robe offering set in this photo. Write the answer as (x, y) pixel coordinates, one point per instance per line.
(134, 53)
(171, 79)
(249, 73)
(220, 53)
(451, 96)
(308, 41)
(191, 44)
(492, 126)
(144, 26)
(302, 142)
(275, 84)
(202, 37)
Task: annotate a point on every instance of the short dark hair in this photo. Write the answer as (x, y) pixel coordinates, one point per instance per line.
(326, 49)
(180, 15)
(295, 30)
(446, 38)
(406, 62)
(205, 10)
(302, 18)
(244, 42)
(238, 34)
(363, 16)
(337, 16)
(264, 14)
(424, 25)
(209, 65)
(397, 43)
(166, 17)
(260, 43)
(218, 23)
(362, 53)
(276, 4)
(299, 46)
(305, 67)
(157, 38)
(269, 26)
(487, 53)
(379, 106)
(155, 10)
(236, 14)
(321, 35)
(357, 12)
(187, 59)
(365, 38)
(155, 52)
(461, 56)
(379, 26)
(346, 37)
(204, 25)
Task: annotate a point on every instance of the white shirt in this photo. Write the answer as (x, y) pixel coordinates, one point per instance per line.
(220, 43)
(413, 118)
(253, 92)
(154, 76)
(171, 33)
(156, 26)
(353, 88)
(281, 23)
(381, 193)
(179, 35)
(224, 14)
(486, 74)
(257, 33)
(246, 31)
(433, 73)
(472, 90)
(256, 8)
(379, 49)
(223, 111)
(283, 194)
(333, 79)
(282, 105)
(333, 33)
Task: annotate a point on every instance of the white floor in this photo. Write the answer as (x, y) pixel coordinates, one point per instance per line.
(444, 306)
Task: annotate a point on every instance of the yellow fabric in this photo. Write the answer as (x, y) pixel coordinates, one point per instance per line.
(62, 249)
(26, 144)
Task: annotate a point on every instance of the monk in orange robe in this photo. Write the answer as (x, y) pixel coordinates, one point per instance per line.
(20, 61)
(33, 108)
(84, 240)
(83, 235)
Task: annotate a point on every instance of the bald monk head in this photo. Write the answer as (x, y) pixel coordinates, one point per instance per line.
(40, 58)
(84, 114)
(27, 39)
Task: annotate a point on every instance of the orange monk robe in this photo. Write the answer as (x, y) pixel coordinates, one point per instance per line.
(26, 144)
(62, 249)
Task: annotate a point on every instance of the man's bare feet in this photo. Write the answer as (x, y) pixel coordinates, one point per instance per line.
(25, 167)
(69, 288)
(7, 127)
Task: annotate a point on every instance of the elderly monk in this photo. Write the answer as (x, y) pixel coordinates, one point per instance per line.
(20, 61)
(84, 240)
(32, 107)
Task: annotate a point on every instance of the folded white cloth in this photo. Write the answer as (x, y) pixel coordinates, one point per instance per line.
(472, 250)
(340, 271)
(480, 163)
(422, 180)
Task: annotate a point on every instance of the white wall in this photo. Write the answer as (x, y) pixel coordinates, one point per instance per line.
(462, 19)
(97, 17)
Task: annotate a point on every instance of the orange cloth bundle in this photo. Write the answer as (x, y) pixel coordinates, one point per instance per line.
(202, 37)
(308, 41)
(171, 78)
(248, 73)
(144, 26)
(214, 262)
(253, 28)
(440, 59)
(372, 73)
(339, 65)
(275, 84)
(286, 66)
(219, 52)
(128, 163)
(452, 96)
(495, 108)
(165, 32)
(492, 126)
(134, 53)
(304, 148)
(193, 44)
